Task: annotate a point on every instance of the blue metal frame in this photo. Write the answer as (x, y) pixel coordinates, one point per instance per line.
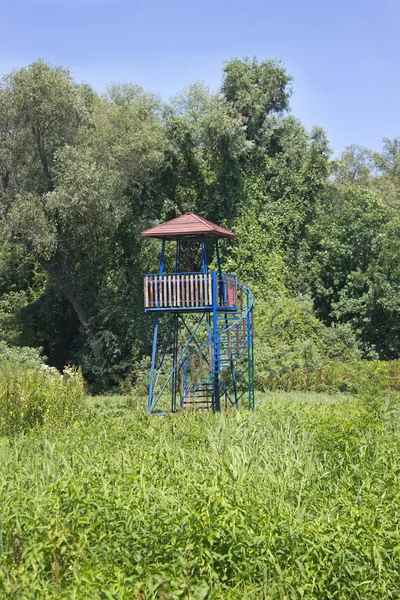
(203, 255)
(155, 334)
(231, 321)
(152, 405)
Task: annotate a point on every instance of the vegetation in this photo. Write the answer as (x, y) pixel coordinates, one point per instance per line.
(81, 175)
(299, 499)
(31, 397)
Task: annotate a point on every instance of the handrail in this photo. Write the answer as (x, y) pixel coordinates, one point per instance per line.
(188, 290)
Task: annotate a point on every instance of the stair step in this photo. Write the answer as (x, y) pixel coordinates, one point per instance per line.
(197, 403)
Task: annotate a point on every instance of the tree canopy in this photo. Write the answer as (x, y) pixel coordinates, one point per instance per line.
(81, 174)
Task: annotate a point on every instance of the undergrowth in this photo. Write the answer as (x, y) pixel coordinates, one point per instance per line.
(32, 397)
(296, 500)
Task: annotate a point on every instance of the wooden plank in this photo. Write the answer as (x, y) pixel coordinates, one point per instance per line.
(173, 279)
(178, 295)
(152, 292)
(169, 304)
(164, 292)
(209, 289)
(187, 289)
(201, 295)
(199, 276)
(196, 289)
(157, 290)
(191, 289)
(146, 292)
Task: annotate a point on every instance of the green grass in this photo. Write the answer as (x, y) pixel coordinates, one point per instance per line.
(298, 499)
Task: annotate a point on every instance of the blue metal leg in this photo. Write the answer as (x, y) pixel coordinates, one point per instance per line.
(153, 362)
(216, 365)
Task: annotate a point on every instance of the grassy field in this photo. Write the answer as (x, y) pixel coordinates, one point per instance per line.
(298, 499)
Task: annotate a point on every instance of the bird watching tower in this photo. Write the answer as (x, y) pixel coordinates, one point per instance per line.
(202, 356)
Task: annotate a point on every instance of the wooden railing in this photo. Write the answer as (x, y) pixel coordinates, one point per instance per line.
(187, 290)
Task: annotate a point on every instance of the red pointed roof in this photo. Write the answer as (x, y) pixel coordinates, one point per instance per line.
(188, 225)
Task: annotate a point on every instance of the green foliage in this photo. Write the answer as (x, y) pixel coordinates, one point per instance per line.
(256, 90)
(290, 338)
(30, 396)
(342, 242)
(299, 499)
(370, 300)
(363, 378)
(81, 175)
(30, 358)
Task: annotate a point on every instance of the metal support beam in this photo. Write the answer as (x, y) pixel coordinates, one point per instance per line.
(204, 266)
(216, 361)
(155, 335)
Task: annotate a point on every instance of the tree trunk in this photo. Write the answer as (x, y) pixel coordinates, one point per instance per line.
(91, 333)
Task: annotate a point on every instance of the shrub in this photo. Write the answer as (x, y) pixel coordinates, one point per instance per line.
(31, 397)
(288, 336)
(357, 377)
(22, 356)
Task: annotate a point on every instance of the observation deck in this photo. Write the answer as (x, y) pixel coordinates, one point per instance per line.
(196, 291)
(217, 337)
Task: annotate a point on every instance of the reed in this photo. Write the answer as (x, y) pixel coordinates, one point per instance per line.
(299, 499)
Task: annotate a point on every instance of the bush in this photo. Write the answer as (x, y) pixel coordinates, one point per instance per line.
(30, 358)
(289, 337)
(31, 397)
(357, 377)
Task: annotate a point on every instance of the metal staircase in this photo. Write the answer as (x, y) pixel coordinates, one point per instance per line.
(223, 361)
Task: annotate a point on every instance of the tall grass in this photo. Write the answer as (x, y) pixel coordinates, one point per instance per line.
(31, 397)
(295, 500)
(338, 376)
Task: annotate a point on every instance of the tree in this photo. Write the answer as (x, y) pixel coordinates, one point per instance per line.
(256, 89)
(73, 166)
(341, 243)
(388, 182)
(355, 166)
(208, 140)
(370, 299)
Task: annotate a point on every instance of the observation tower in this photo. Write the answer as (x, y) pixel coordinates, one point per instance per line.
(203, 356)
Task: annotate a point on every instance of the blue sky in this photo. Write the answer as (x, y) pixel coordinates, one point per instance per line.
(344, 55)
